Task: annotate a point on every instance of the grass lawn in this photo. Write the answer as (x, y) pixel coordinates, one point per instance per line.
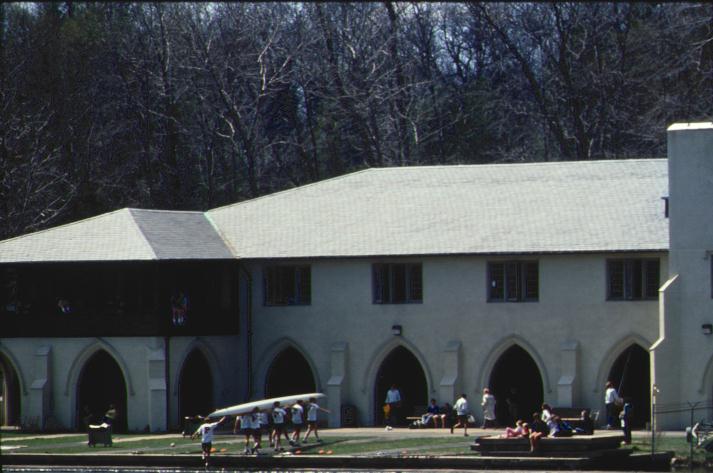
(352, 445)
(678, 445)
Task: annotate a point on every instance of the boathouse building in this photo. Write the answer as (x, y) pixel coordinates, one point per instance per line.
(539, 280)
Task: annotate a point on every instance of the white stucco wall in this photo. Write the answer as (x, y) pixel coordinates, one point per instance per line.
(572, 311)
(141, 361)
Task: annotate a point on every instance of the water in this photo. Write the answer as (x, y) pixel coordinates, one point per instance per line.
(64, 469)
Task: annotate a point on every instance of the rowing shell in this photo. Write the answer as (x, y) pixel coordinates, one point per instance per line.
(264, 404)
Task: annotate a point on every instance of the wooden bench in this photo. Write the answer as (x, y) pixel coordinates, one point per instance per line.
(575, 446)
(412, 419)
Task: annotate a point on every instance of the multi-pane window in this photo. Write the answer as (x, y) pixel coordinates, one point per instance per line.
(397, 283)
(288, 285)
(513, 281)
(632, 279)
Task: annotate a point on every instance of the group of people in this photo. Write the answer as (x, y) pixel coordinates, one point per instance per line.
(546, 423)
(459, 415)
(462, 409)
(274, 422)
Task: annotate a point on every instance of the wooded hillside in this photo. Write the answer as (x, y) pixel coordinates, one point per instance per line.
(193, 106)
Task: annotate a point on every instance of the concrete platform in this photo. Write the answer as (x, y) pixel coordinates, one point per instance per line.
(576, 446)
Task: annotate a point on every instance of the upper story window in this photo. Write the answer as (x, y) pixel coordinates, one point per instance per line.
(397, 283)
(513, 281)
(632, 279)
(288, 285)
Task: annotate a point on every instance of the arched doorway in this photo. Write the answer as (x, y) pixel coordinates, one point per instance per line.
(631, 375)
(403, 369)
(289, 373)
(195, 388)
(516, 383)
(9, 394)
(101, 383)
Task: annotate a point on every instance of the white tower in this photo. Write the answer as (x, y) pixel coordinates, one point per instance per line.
(682, 358)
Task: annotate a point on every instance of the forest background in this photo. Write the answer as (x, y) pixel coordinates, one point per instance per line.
(190, 106)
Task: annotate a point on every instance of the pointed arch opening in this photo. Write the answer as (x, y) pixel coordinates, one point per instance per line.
(402, 369)
(101, 384)
(516, 383)
(289, 373)
(195, 386)
(9, 394)
(630, 374)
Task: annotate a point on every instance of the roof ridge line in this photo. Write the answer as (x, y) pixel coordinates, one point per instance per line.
(168, 211)
(68, 224)
(527, 163)
(440, 166)
(293, 189)
(222, 236)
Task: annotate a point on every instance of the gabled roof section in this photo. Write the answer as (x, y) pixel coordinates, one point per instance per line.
(556, 207)
(122, 235)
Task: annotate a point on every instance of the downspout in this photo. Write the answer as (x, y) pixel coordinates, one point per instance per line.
(167, 372)
(248, 330)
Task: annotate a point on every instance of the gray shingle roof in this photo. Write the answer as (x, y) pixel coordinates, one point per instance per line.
(123, 235)
(489, 209)
(475, 209)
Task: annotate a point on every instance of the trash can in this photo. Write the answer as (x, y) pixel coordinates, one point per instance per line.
(349, 415)
(99, 434)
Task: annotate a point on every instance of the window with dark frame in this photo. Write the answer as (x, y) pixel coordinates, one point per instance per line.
(513, 281)
(288, 285)
(632, 279)
(397, 283)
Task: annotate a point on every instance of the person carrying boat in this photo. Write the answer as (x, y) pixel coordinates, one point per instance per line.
(312, 410)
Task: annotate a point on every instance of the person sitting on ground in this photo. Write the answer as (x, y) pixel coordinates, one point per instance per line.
(522, 429)
(566, 426)
(538, 429)
(546, 412)
(537, 425)
(586, 424)
(448, 415)
(558, 428)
